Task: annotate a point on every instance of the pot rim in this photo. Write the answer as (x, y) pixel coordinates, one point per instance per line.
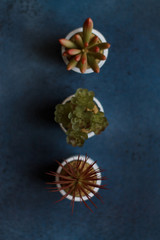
(99, 35)
(91, 134)
(89, 161)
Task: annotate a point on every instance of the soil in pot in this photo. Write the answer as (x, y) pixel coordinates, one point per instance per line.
(73, 164)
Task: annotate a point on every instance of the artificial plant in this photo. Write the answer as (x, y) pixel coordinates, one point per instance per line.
(78, 178)
(84, 50)
(80, 116)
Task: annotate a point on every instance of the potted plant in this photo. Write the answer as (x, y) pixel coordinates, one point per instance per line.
(81, 116)
(78, 179)
(84, 50)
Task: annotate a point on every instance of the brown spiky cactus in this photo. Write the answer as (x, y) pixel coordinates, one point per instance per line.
(84, 50)
(78, 179)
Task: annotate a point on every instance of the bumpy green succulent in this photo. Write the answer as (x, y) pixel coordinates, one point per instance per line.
(84, 50)
(80, 116)
(98, 123)
(76, 138)
(62, 112)
(83, 98)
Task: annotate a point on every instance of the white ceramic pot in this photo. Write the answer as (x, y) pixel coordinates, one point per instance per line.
(99, 35)
(91, 134)
(89, 161)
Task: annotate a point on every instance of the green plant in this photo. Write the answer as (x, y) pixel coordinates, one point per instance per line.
(80, 116)
(78, 179)
(84, 50)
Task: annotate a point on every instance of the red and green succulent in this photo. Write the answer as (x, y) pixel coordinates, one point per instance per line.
(84, 50)
(78, 178)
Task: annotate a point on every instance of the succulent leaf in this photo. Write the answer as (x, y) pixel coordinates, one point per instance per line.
(81, 119)
(99, 56)
(84, 58)
(83, 67)
(94, 40)
(73, 51)
(61, 114)
(72, 63)
(67, 43)
(99, 123)
(78, 57)
(101, 45)
(87, 30)
(84, 98)
(79, 41)
(93, 64)
(76, 138)
(95, 49)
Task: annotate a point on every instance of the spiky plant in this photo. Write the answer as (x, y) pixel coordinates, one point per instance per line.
(80, 116)
(84, 50)
(78, 179)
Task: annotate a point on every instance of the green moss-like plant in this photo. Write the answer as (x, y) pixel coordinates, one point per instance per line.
(80, 116)
(84, 50)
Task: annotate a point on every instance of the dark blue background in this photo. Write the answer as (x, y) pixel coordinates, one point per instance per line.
(33, 79)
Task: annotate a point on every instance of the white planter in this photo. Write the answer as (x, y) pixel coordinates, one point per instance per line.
(99, 35)
(89, 161)
(91, 134)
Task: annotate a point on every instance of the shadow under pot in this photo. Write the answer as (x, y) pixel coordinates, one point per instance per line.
(81, 116)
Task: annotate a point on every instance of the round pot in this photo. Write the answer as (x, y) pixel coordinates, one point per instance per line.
(91, 134)
(99, 35)
(89, 161)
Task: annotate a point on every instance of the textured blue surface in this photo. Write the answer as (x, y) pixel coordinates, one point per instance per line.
(33, 80)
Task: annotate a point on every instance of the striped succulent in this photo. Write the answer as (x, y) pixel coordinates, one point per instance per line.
(84, 50)
(78, 179)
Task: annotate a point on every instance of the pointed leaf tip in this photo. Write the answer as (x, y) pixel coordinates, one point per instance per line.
(109, 45)
(104, 58)
(72, 63)
(97, 70)
(97, 49)
(77, 36)
(93, 41)
(93, 64)
(69, 68)
(65, 54)
(78, 57)
(88, 22)
(83, 68)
